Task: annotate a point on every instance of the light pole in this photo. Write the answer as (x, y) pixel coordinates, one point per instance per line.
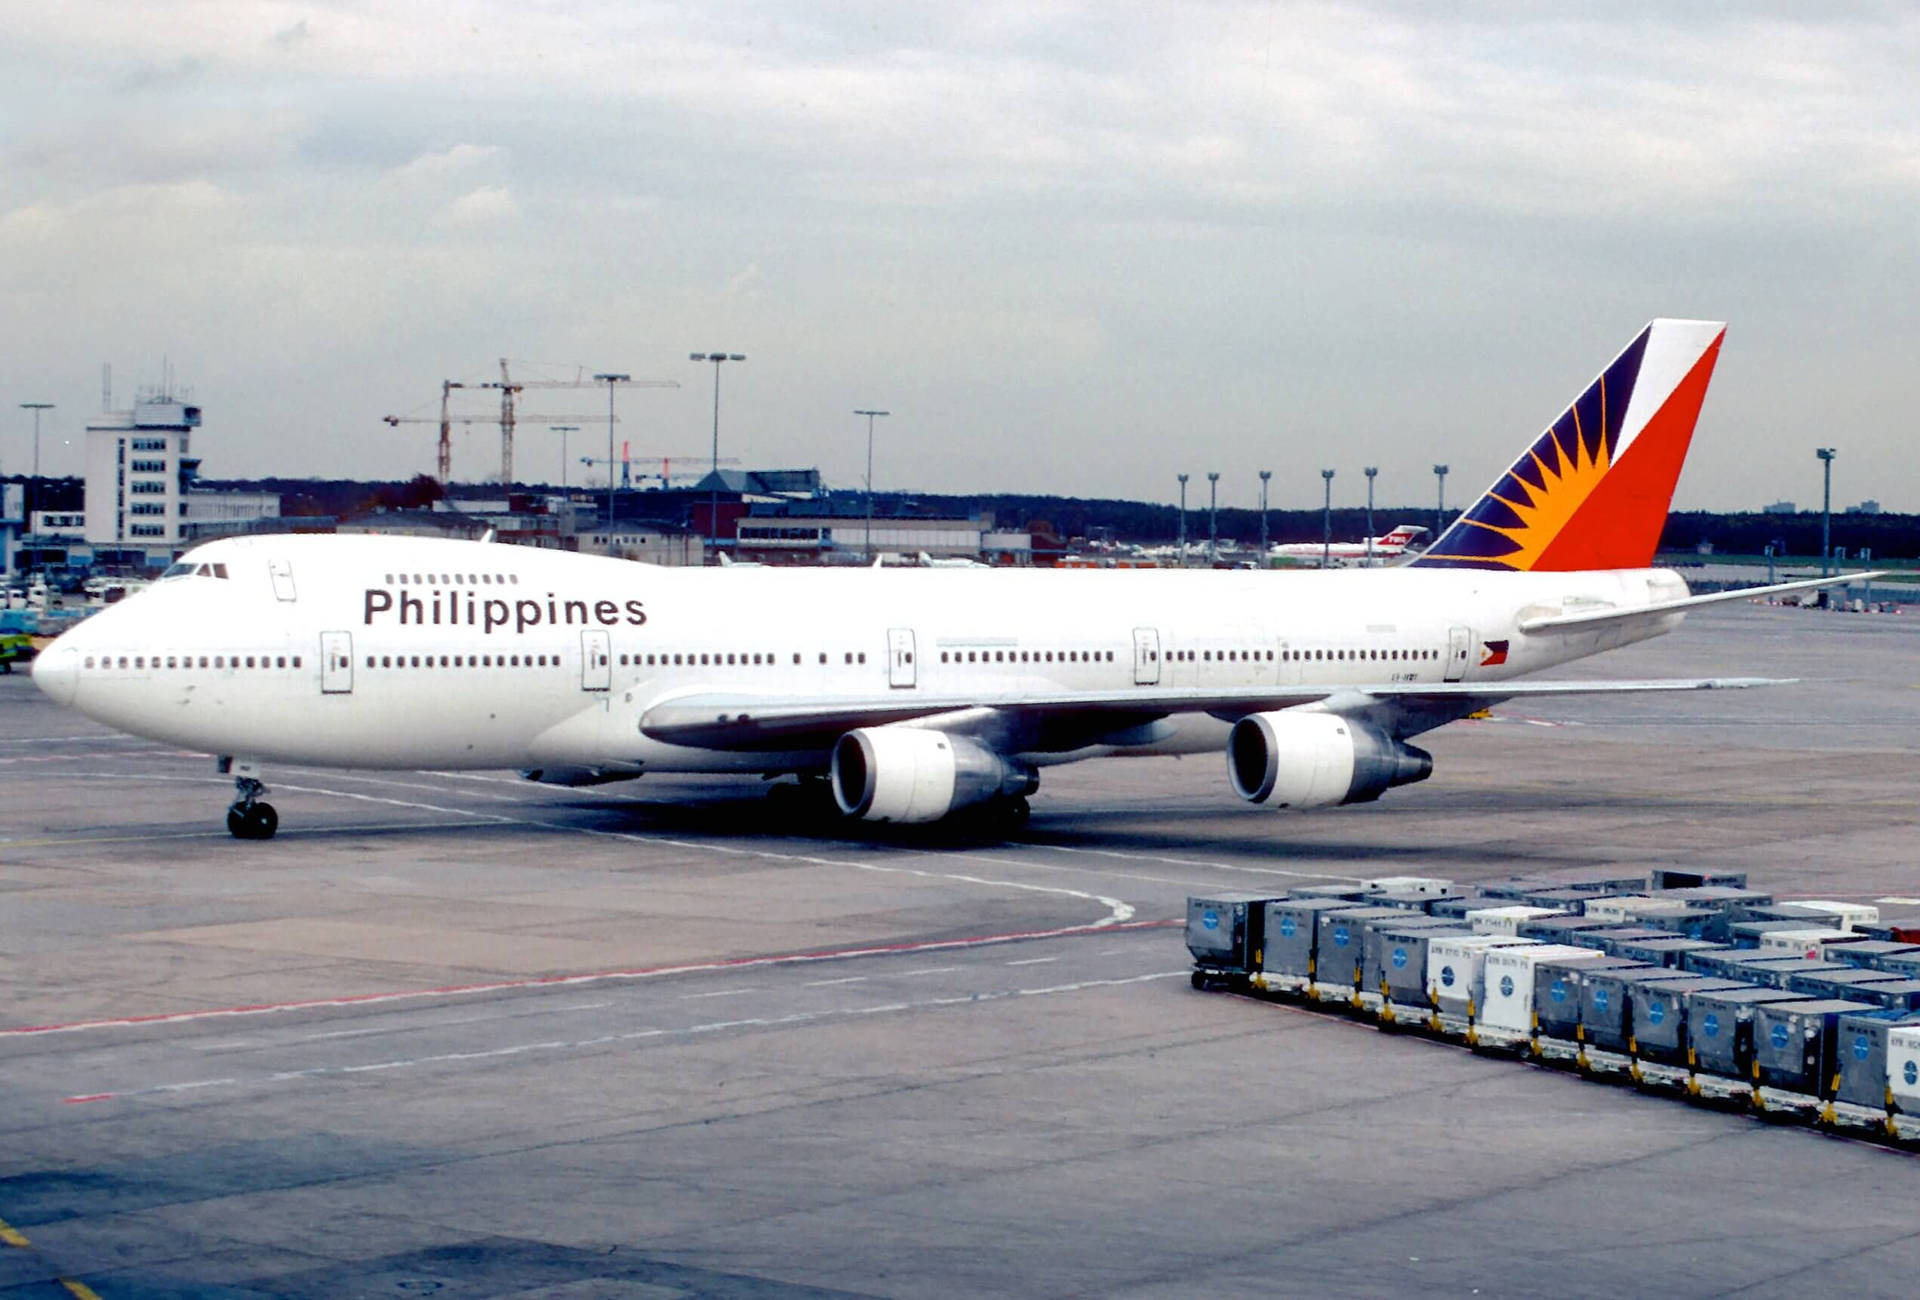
(713, 505)
(1265, 475)
(610, 379)
(1826, 506)
(563, 430)
(1213, 530)
(1326, 531)
(36, 408)
(1183, 521)
(1440, 507)
(871, 415)
(1370, 471)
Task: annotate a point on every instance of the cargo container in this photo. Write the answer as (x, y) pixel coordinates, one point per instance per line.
(1746, 934)
(1291, 933)
(1659, 1020)
(1565, 928)
(1721, 1030)
(1870, 954)
(1608, 939)
(1863, 1057)
(1795, 1046)
(1396, 959)
(1342, 948)
(1668, 950)
(1506, 1007)
(1734, 963)
(1839, 983)
(1431, 885)
(1903, 1068)
(1560, 900)
(1892, 991)
(1716, 898)
(1670, 878)
(1899, 929)
(1591, 880)
(1779, 972)
(1505, 919)
(1806, 943)
(1454, 907)
(1618, 908)
(1849, 915)
(1558, 986)
(1223, 932)
(1456, 970)
(1608, 999)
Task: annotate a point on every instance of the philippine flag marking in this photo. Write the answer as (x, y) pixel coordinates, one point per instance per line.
(1496, 654)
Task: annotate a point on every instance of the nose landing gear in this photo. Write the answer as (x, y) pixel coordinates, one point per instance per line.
(249, 817)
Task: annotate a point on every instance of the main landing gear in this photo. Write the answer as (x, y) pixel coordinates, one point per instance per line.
(250, 817)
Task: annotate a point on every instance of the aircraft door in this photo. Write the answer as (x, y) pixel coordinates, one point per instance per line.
(282, 574)
(1146, 656)
(900, 673)
(1459, 642)
(596, 661)
(336, 663)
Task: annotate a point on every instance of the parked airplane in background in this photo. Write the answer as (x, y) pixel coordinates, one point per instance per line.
(1392, 546)
(908, 695)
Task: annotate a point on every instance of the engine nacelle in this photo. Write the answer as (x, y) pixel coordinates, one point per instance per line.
(1297, 759)
(910, 774)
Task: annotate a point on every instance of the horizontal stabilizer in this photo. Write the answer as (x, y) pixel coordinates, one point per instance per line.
(1601, 617)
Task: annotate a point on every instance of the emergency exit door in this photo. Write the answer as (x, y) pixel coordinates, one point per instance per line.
(1459, 642)
(1146, 656)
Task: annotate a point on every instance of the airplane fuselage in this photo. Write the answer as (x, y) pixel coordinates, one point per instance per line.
(386, 652)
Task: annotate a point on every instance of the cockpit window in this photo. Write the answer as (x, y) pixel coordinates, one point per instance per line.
(184, 570)
(177, 571)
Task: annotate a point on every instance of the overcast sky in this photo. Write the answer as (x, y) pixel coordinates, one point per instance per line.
(1073, 248)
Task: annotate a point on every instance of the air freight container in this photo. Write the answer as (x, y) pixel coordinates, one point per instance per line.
(1592, 880)
(1891, 991)
(1342, 945)
(1504, 920)
(1720, 1028)
(1863, 1055)
(1456, 970)
(1747, 934)
(1850, 915)
(1898, 929)
(1454, 907)
(1837, 983)
(1396, 958)
(1608, 999)
(1779, 973)
(1903, 1068)
(1618, 908)
(1658, 1017)
(1352, 893)
(1668, 950)
(1668, 878)
(1560, 899)
(1292, 933)
(1565, 928)
(1421, 904)
(1794, 1043)
(1677, 918)
(1870, 954)
(1431, 885)
(1506, 1008)
(1608, 940)
(1223, 932)
(1806, 943)
(1747, 964)
(1557, 991)
(1716, 898)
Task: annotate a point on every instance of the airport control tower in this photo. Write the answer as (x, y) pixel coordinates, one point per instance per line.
(137, 473)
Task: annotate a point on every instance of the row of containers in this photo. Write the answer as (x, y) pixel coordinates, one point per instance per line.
(1698, 985)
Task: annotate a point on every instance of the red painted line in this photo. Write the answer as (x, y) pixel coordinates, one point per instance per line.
(97, 1096)
(585, 977)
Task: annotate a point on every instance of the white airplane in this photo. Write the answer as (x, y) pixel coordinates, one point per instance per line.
(909, 695)
(1389, 546)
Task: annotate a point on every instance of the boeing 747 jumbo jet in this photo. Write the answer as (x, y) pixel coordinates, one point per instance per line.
(906, 694)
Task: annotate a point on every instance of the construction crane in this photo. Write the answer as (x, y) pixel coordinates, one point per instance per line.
(666, 474)
(509, 389)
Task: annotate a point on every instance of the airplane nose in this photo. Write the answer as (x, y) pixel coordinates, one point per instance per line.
(56, 671)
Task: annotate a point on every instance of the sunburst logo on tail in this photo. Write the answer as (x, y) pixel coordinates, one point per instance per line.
(1573, 500)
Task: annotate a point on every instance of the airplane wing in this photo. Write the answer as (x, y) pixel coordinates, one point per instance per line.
(1582, 619)
(1071, 720)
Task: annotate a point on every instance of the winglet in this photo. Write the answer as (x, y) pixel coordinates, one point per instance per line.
(1592, 492)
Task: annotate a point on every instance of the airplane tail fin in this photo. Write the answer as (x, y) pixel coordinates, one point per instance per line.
(1592, 492)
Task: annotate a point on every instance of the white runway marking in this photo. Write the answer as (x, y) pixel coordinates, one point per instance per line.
(845, 979)
(720, 993)
(1032, 961)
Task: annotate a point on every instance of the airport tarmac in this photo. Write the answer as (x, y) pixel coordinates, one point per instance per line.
(457, 1034)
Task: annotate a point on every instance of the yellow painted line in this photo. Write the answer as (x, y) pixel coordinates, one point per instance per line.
(78, 1290)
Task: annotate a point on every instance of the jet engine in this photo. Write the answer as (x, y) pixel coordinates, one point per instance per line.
(1297, 759)
(909, 774)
